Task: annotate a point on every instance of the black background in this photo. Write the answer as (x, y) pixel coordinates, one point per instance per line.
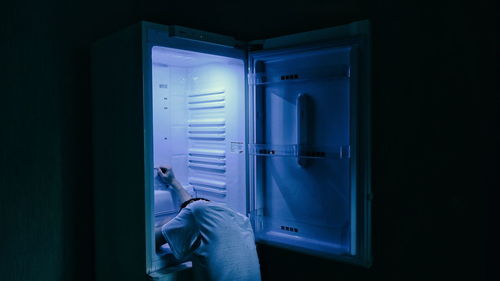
(434, 126)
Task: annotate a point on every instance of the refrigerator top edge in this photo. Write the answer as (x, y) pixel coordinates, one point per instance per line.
(346, 31)
(202, 42)
(162, 33)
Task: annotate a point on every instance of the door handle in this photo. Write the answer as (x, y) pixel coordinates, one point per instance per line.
(304, 123)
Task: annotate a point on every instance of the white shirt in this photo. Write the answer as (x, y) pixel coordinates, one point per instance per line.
(220, 240)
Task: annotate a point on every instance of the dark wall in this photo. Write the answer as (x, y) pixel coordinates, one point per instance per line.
(434, 112)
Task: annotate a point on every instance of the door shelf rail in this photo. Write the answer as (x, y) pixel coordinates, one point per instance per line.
(322, 238)
(302, 151)
(337, 72)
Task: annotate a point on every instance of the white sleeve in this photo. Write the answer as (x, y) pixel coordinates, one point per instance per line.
(181, 233)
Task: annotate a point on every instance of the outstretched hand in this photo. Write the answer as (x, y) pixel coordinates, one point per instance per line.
(166, 174)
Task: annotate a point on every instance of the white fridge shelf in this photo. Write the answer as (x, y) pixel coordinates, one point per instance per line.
(302, 151)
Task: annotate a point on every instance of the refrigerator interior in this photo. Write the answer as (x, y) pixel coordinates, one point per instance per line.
(198, 103)
(302, 192)
(304, 198)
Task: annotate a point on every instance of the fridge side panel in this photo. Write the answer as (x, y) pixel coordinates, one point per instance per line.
(362, 114)
(118, 156)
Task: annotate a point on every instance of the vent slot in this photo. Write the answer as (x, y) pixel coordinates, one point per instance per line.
(207, 136)
(207, 99)
(209, 160)
(211, 191)
(207, 166)
(207, 105)
(208, 186)
(289, 77)
(207, 92)
(206, 122)
(210, 129)
(214, 153)
(207, 130)
(289, 228)
(214, 184)
(206, 133)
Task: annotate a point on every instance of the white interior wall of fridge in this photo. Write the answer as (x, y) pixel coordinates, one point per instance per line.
(198, 127)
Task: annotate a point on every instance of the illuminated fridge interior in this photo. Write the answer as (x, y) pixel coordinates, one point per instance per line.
(198, 128)
(270, 137)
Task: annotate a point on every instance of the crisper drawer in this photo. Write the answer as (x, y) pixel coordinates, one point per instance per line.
(164, 203)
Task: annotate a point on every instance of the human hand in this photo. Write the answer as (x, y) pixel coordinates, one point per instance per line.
(166, 175)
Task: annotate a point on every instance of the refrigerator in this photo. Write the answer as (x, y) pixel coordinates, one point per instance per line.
(278, 129)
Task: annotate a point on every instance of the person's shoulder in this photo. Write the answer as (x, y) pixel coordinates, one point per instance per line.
(202, 205)
(198, 204)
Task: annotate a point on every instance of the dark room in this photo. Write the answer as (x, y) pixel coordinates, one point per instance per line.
(248, 140)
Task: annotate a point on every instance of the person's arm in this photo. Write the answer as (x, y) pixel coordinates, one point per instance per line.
(180, 191)
(159, 239)
(167, 176)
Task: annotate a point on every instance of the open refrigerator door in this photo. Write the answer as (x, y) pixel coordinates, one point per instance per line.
(309, 143)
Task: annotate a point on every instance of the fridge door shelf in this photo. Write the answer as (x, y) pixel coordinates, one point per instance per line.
(338, 73)
(323, 240)
(302, 151)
